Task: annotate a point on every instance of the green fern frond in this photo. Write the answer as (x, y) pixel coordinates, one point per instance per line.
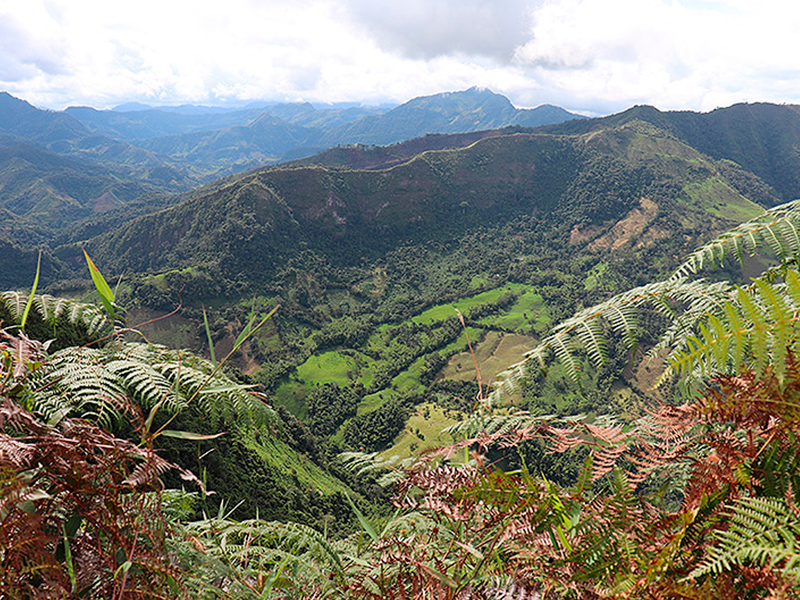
(77, 379)
(591, 335)
(145, 384)
(711, 326)
(761, 532)
(251, 549)
(623, 320)
(52, 309)
(562, 346)
(776, 230)
(92, 382)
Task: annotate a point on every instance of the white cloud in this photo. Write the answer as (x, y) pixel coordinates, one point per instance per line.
(664, 52)
(596, 55)
(428, 29)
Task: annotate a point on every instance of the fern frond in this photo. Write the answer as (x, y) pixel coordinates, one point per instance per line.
(77, 379)
(623, 320)
(761, 532)
(53, 309)
(710, 325)
(776, 230)
(146, 384)
(591, 335)
(92, 383)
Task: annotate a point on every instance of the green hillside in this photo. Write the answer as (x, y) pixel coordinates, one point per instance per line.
(761, 138)
(514, 230)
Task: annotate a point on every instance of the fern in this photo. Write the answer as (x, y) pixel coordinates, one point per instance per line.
(93, 383)
(249, 559)
(53, 310)
(711, 326)
(777, 230)
(762, 532)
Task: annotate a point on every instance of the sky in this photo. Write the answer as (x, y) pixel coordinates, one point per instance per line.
(589, 56)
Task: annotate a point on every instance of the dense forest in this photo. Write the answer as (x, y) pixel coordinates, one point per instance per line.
(501, 344)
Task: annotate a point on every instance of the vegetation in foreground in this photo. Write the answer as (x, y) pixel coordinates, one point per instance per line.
(690, 500)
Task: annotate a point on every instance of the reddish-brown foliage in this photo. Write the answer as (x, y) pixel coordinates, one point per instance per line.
(618, 537)
(80, 512)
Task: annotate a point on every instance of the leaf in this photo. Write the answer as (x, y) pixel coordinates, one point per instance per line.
(152, 414)
(31, 295)
(68, 559)
(188, 435)
(106, 295)
(210, 341)
(363, 521)
(477, 554)
(124, 567)
(58, 415)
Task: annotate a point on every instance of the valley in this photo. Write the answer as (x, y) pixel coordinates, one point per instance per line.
(369, 275)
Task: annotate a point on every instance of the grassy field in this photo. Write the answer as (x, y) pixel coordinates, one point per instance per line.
(528, 314)
(718, 198)
(443, 311)
(495, 350)
(328, 367)
(494, 354)
(423, 431)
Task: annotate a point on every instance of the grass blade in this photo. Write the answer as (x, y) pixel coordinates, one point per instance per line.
(208, 335)
(106, 295)
(33, 292)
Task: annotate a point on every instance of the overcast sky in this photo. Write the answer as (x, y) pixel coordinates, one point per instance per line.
(594, 56)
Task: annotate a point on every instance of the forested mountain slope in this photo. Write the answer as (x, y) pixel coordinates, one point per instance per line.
(52, 190)
(63, 134)
(762, 138)
(515, 228)
(70, 167)
(262, 219)
(451, 112)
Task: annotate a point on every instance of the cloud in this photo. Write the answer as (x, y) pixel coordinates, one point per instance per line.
(31, 42)
(674, 54)
(593, 55)
(423, 29)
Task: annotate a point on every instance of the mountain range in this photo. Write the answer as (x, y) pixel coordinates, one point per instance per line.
(369, 249)
(58, 169)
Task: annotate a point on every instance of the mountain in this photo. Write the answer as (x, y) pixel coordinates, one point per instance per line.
(762, 138)
(220, 152)
(213, 144)
(51, 190)
(151, 123)
(360, 156)
(366, 259)
(20, 119)
(262, 218)
(451, 112)
(306, 115)
(63, 134)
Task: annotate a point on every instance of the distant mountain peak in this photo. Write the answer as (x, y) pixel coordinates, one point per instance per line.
(131, 107)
